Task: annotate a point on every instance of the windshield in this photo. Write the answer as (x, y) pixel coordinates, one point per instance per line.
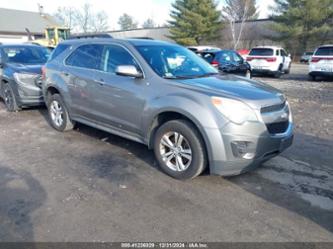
(175, 62)
(262, 52)
(26, 55)
(63, 34)
(309, 53)
(325, 51)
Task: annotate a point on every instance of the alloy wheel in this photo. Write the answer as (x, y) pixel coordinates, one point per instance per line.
(57, 113)
(175, 151)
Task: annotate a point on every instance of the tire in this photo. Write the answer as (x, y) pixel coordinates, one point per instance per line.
(9, 98)
(186, 160)
(248, 74)
(278, 73)
(58, 114)
(288, 70)
(312, 77)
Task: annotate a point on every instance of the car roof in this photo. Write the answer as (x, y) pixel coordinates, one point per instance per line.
(19, 45)
(327, 45)
(269, 47)
(134, 42)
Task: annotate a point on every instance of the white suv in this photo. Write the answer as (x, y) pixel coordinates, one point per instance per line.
(321, 63)
(269, 60)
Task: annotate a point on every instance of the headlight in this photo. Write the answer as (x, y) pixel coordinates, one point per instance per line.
(236, 111)
(27, 79)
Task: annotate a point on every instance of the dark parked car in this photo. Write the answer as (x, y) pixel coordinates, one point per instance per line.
(20, 75)
(165, 96)
(228, 61)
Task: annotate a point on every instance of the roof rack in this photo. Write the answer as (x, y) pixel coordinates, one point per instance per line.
(142, 38)
(85, 36)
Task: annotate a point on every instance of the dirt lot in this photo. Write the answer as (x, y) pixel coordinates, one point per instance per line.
(87, 185)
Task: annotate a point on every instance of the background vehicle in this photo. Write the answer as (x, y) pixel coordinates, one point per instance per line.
(53, 35)
(166, 97)
(20, 75)
(228, 61)
(269, 60)
(306, 57)
(321, 63)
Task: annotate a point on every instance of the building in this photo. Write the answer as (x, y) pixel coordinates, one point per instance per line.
(13, 24)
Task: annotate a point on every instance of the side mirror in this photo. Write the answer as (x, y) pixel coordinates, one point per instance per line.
(289, 55)
(129, 71)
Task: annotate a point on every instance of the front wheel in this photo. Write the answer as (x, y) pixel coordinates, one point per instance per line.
(179, 149)
(59, 117)
(9, 98)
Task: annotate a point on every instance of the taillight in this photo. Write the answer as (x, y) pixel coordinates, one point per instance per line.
(215, 63)
(317, 59)
(43, 72)
(273, 59)
(249, 59)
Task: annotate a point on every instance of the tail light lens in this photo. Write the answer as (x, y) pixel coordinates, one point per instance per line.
(273, 59)
(249, 59)
(215, 63)
(317, 59)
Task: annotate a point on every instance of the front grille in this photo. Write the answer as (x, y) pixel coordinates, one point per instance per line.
(277, 128)
(273, 108)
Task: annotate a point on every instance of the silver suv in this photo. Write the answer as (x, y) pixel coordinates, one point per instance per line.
(166, 97)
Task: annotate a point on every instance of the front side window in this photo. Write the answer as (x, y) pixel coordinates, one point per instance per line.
(26, 55)
(50, 33)
(115, 56)
(87, 56)
(58, 50)
(175, 61)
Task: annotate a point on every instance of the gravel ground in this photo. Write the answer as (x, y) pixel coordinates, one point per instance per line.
(87, 185)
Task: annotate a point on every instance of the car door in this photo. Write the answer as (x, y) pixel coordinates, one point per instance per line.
(80, 73)
(241, 66)
(119, 101)
(286, 59)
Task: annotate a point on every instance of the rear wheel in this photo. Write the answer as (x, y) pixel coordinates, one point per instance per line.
(179, 149)
(279, 72)
(9, 98)
(59, 117)
(248, 74)
(288, 70)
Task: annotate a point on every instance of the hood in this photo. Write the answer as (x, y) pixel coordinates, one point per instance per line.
(254, 93)
(26, 68)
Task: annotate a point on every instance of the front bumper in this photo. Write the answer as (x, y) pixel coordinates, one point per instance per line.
(263, 146)
(27, 95)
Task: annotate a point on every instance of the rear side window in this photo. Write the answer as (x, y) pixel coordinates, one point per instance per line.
(325, 51)
(58, 50)
(209, 57)
(115, 56)
(87, 56)
(262, 52)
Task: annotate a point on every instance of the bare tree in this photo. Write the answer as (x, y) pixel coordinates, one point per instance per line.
(100, 22)
(82, 20)
(236, 13)
(67, 16)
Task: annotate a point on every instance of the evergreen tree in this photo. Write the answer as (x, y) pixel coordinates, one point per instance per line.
(194, 21)
(127, 22)
(300, 22)
(149, 23)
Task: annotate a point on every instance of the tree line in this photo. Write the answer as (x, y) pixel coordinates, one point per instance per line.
(298, 23)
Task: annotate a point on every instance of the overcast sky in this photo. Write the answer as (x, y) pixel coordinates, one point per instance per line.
(139, 9)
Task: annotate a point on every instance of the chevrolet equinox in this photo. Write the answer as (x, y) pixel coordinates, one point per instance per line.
(166, 97)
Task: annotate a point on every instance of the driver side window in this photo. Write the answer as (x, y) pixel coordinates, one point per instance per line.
(114, 56)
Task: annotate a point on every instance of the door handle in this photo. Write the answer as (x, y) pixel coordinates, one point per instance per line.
(100, 82)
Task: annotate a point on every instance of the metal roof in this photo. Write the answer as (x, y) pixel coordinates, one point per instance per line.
(16, 21)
